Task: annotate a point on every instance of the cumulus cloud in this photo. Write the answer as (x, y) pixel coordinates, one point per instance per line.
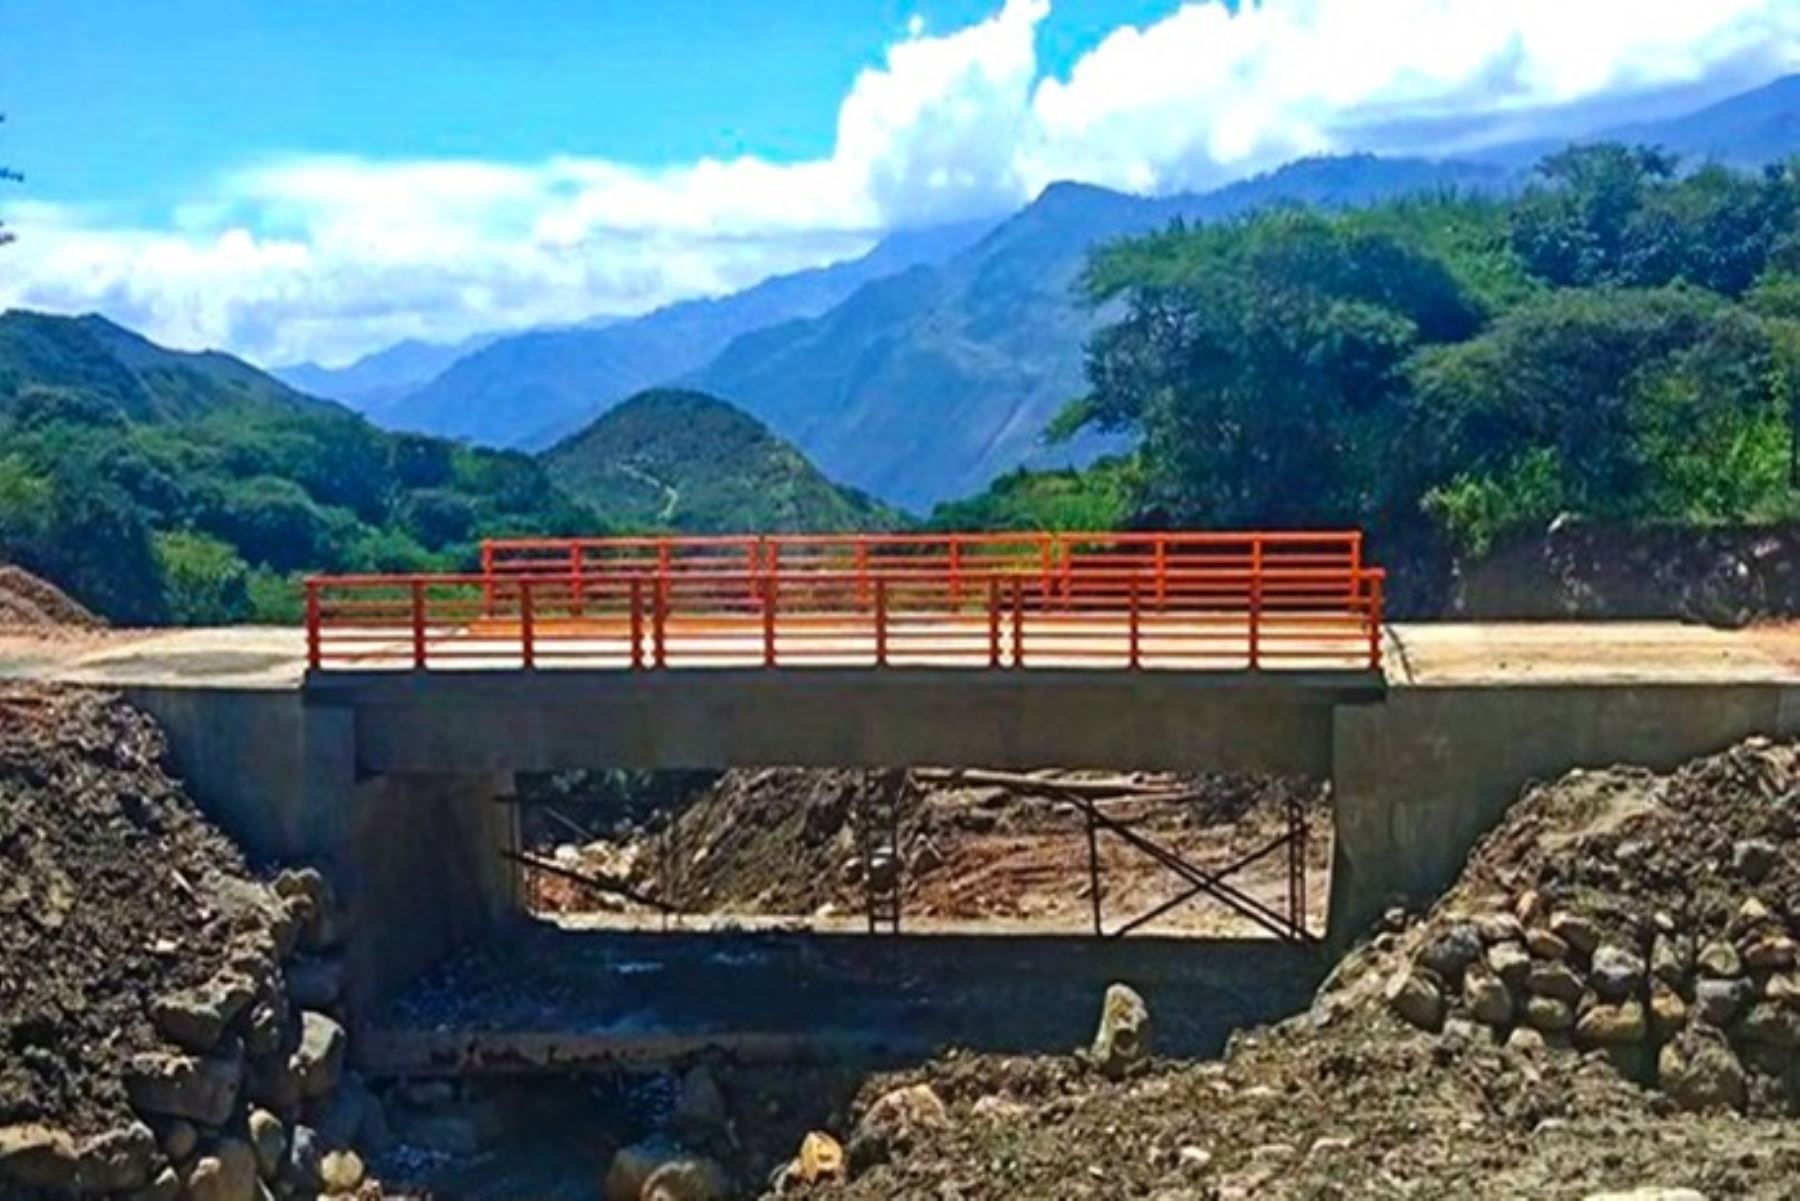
(329, 257)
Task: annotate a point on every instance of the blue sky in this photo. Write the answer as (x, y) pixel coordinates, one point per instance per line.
(317, 178)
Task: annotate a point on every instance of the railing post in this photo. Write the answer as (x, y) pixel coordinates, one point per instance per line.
(1018, 623)
(637, 623)
(527, 645)
(881, 627)
(1256, 601)
(1376, 606)
(314, 655)
(418, 624)
(993, 613)
(768, 591)
(487, 579)
(659, 623)
(1132, 623)
(575, 581)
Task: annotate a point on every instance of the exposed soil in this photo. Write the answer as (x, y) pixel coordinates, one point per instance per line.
(104, 867)
(1353, 1100)
(30, 604)
(977, 848)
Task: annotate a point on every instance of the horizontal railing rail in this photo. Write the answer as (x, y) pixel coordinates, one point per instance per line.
(1182, 601)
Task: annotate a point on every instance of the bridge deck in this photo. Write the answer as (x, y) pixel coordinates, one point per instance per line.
(1416, 654)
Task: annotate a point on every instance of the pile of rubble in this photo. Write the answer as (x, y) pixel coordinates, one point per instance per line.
(170, 1028)
(1652, 919)
(32, 605)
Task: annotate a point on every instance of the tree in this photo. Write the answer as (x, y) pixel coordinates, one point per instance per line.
(1572, 230)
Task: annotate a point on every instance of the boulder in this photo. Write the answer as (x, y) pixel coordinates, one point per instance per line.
(268, 1138)
(1698, 1070)
(686, 1178)
(1671, 959)
(1487, 998)
(1509, 961)
(1557, 980)
(1452, 951)
(1720, 960)
(1753, 857)
(196, 1018)
(1617, 973)
(1526, 1041)
(1122, 1042)
(1416, 997)
(1783, 988)
(821, 1160)
(179, 1139)
(1668, 1012)
(202, 1089)
(894, 1124)
(36, 1156)
(1544, 944)
(305, 1158)
(1498, 928)
(1575, 930)
(1769, 952)
(341, 1172)
(1608, 1025)
(228, 1173)
(1772, 1025)
(1720, 1001)
(318, 1062)
(632, 1167)
(1549, 1014)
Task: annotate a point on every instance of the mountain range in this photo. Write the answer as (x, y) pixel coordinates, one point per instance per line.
(929, 366)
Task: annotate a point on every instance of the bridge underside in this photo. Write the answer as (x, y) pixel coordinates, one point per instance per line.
(851, 717)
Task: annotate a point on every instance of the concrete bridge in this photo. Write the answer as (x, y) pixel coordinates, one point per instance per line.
(387, 775)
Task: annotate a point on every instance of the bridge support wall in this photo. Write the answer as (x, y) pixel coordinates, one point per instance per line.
(414, 856)
(1418, 780)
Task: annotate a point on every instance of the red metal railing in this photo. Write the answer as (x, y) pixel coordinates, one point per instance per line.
(1182, 600)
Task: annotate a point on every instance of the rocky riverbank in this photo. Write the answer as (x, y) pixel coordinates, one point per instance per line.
(170, 1023)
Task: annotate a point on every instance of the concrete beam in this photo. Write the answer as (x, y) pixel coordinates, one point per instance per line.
(524, 721)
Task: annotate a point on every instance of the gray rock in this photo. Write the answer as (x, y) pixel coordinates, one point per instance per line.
(632, 1166)
(1617, 973)
(1698, 1070)
(227, 1174)
(1556, 980)
(1509, 961)
(318, 1062)
(1608, 1025)
(196, 1018)
(1769, 952)
(268, 1138)
(341, 1172)
(202, 1089)
(1753, 857)
(687, 1179)
(1122, 1042)
(1671, 959)
(1499, 927)
(314, 983)
(1668, 1012)
(1488, 999)
(1416, 997)
(1772, 1025)
(894, 1124)
(304, 1155)
(1576, 930)
(1452, 951)
(1526, 1041)
(1544, 944)
(179, 1139)
(36, 1156)
(1719, 960)
(1549, 1014)
(1720, 1001)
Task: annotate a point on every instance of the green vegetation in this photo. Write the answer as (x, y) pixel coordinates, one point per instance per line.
(1620, 342)
(158, 486)
(685, 461)
(1099, 498)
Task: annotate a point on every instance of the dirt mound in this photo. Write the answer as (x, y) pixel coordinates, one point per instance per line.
(1599, 893)
(151, 991)
(975, 845)
(30, 604)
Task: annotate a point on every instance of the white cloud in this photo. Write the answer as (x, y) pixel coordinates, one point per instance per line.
(329, 257)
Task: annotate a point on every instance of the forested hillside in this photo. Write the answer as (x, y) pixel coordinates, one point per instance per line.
(1620, 342)
(159, 486)
(674, 460)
